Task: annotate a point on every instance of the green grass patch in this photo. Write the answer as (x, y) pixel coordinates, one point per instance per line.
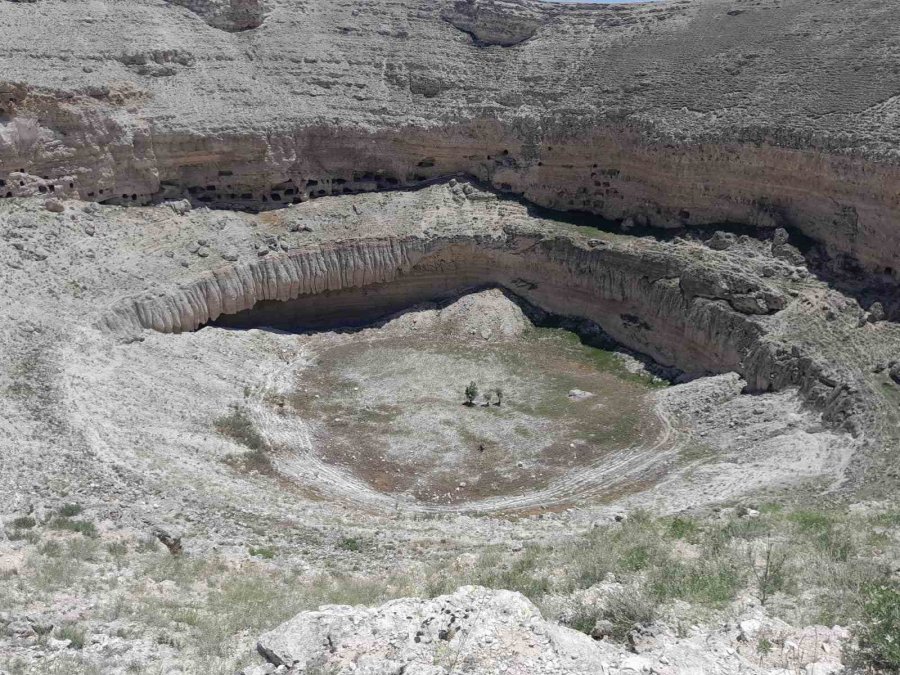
(238, 426)
(811, 521)
(683, 528)
(711, 583)
(879, 635)
(74, 634)
(23, 523)
(350, 544)
(262, 552)
(70, 510)
(84, 527)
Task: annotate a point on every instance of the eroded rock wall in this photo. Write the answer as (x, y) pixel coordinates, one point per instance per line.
(680, 313)
(678, 114)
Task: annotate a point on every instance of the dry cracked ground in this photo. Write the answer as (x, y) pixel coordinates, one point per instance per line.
(449, 336)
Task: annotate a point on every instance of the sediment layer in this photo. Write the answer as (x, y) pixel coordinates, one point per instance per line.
(676, 114)
(682, 314)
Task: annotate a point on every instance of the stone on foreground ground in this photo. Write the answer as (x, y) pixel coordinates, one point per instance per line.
(477, 630)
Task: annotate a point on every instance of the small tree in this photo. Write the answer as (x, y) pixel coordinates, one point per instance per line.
(471, 393)
(487, 396)
(771, 576)
(499, 393)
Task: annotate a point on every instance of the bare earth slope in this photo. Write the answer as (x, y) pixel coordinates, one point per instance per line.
(681, 112)
(253, 251)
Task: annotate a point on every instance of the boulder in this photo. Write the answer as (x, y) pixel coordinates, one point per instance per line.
(894, 372)
(491, 627)
(876, 312)
(721, 241)
(54, 206)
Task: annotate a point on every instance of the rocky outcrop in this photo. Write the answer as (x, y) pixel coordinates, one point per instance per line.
(492, 22)
(477, 630)
(228, 15)
(671, 114)
(472, 630)
(680, 312)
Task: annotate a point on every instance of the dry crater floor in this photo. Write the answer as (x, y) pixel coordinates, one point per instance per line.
(148, 397)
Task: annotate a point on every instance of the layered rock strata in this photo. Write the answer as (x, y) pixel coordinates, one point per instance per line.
(680, 312)
(673, 114)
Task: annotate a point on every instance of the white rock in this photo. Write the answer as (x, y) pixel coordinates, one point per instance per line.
(638, 664)
(495, 626)
(749, 629)
(579, 395)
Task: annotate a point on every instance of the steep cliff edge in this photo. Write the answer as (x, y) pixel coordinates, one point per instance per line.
(658, 300)
(672, 114)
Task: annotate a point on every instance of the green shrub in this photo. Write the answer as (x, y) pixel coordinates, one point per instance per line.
(23, 523)
(85, 527)
(625, 610)
(879, 635)
(683, 528)
(238, 426)
(350, 544)
(70, 510)
(74, 634)
(262, 552)
(710, 582)
(771, 572)
(51, 549)
(117, 549)
(30, 536)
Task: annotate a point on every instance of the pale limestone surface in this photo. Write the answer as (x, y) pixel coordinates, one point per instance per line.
(686, 112)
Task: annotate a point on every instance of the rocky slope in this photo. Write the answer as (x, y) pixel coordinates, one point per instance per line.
(680, 310)
(108, 406)
(481, 631)
(700, 308)
(768, 113)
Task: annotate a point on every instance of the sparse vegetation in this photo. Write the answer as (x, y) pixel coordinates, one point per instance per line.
(238, 426)
(471, 393)
(248, 462)
(264, 552)
(85, 527)
(879, 634)
(23, 523)
(612, 579)
(70, 510)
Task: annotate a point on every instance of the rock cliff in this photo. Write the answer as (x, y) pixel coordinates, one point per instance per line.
(770, 113)
(694, 314)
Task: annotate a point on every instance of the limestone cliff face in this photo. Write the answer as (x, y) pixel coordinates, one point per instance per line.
(698, 319)
(678, 114)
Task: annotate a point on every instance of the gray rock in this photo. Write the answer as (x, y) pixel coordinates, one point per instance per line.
(181, 207)
(780, 237)
(579, 395)
(894, 372)
(494, 626)
(876, 312)
(721, 241)
(602, 629)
